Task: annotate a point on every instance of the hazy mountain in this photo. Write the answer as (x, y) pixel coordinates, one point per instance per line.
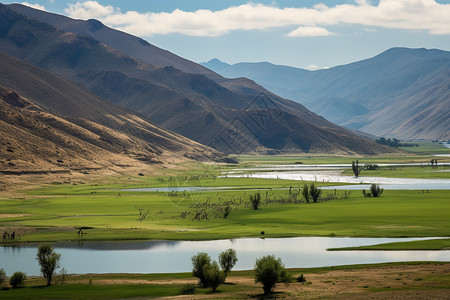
(48, 123)
(234, 116)
(401, 93)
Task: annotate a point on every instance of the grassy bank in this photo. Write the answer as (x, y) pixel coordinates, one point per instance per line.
(434, 244)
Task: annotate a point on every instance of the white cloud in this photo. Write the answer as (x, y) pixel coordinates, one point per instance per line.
(36, 5)
(309, 31)
(425, 15)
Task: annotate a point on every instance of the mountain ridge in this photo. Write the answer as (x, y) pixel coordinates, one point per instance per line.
(233, 117)
(364, 93)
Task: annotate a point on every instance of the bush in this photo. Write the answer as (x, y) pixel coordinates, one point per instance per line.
(305, 193)
(199, 261)
(301, 278)
(227, 211)
(227, 260)
(314, 192)
(17, 279)
(213, 276)
(187, 289)
(2, 276)
(48, 260)
(255, 200)
(269, 271)
(375, 191)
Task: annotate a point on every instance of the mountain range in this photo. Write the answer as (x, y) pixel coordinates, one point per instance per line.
(233, 116)
(402, 93)
(50, 125)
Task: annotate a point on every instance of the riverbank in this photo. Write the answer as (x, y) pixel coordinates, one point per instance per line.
(378, 281)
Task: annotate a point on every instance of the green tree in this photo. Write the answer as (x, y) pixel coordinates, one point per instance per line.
(314, 192)
(305, 193)
(17, 279)
(269, 271)
(48, 260)
(355, 168)
(255, 200)
(213, 276)
(375, 190)
(228, 260)
(2, 276)
(199, 261)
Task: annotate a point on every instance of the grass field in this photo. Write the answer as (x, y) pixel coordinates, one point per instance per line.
(55, 211)
(433, 244)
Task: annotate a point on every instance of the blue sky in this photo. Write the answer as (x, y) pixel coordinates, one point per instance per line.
(309, 34)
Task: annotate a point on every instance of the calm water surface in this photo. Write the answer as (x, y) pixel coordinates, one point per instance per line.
(175, 256)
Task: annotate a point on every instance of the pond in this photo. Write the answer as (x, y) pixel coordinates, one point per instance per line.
(175, 256)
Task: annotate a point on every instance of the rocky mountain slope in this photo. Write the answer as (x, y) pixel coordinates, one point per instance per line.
(49, 125)
(402, 93)
(233, 116)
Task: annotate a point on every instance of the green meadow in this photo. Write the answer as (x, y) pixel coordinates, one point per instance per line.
(107, 211)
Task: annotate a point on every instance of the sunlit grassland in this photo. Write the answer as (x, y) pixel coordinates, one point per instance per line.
(54, 218)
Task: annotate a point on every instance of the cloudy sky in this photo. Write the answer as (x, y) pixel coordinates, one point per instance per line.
(301, 33)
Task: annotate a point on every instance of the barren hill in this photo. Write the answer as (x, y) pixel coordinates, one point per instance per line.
(49, 125)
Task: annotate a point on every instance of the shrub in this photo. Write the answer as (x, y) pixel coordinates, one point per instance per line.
(314, 192)
(63, 275)
(228, 260)
(376, 190)
(227, 211)
(305, 193)
(199, 261)
(213, 276)
(255, 200)
(301, 278)
(269, 271)
(17, 279)
(187, 289)
(2, 276)
(48, 260)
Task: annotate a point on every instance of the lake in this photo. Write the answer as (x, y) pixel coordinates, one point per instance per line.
(175, 256)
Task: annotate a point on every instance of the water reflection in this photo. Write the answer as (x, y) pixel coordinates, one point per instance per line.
(174, 256)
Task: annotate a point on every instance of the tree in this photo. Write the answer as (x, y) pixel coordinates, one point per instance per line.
(48, 260)
(227, 260)
(314, 192)
(355, 168)
(17, 279)
(2, 276)
(199, 261)
(213, 276)
(269, 271)
(255, 200)
(305, 193)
